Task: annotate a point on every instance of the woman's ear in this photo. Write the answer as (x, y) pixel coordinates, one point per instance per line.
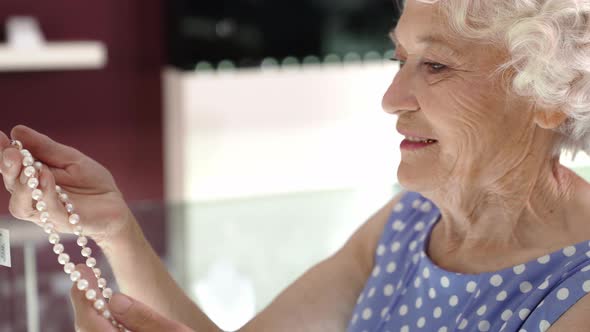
(549, 119)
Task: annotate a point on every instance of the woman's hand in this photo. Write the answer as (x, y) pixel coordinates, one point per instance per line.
(130, 313)
(90, 187)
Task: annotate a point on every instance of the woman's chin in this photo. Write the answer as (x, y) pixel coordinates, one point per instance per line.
(414, 178)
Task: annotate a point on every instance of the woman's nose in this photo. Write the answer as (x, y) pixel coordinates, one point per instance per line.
(400, 96)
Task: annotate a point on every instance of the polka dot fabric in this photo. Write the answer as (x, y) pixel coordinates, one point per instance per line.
(408, 292)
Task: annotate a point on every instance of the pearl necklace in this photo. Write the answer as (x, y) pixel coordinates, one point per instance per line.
(32, 167)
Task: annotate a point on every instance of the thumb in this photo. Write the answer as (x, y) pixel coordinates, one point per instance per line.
(138, 317)
(44, 148)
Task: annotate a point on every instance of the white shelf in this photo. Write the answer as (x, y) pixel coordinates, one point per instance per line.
(54, 56)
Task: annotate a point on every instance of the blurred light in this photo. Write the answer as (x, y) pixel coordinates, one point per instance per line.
(269, 62)
(225, 64)
(331, 58)
(311, 59)
(290, 61)
(372, 56)
(225, 28)
(352, 57)
(204, 65)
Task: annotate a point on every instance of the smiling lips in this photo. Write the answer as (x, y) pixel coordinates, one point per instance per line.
(413, 141)
(412, 137)
(420, 139)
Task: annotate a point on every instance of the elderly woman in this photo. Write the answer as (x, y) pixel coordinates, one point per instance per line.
(492, 234)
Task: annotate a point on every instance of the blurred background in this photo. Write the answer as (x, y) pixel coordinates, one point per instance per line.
(246, 135)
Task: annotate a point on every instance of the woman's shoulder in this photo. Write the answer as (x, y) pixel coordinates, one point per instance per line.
(405, 218)
(412, 212)
(563, 300)
(408, 224)
(413, 203)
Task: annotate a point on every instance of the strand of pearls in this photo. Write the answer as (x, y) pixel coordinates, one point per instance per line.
(31, 170)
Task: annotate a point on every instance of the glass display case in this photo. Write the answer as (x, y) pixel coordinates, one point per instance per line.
(231, 256)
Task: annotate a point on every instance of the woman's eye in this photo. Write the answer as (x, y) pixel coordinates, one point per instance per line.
(435, 67)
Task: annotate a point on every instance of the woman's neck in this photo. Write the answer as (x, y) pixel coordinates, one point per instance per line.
(513, 217)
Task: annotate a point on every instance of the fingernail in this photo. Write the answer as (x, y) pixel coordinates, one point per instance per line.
(7, 162)
(119, 304)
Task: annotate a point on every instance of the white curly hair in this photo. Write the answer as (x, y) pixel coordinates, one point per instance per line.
(548, 45)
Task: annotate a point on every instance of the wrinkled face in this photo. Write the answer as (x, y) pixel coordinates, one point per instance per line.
(445, 91)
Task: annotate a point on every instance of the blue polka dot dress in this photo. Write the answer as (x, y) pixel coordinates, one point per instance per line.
(408, 292)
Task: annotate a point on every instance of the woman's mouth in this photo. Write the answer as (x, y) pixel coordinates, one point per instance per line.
(413, 143)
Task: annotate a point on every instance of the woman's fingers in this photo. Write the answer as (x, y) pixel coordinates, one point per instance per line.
(22, 205)
(128, 312)
(4, 143)
(44, 148)
(11, 167)
(137, 316)
(55, 208)
(87, 318)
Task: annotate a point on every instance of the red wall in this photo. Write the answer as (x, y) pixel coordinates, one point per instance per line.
(113, 114)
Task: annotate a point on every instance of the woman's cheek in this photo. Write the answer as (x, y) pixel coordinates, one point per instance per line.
(440, 77)
(436, 78)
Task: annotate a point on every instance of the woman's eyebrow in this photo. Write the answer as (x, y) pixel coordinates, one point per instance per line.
(430, 39)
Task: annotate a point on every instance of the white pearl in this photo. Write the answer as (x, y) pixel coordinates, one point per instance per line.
(74, 219)
(38, 165)
(107, 293)
(63, 258)
(63, 197)
(53, 238)
(37, 194)
(106, 314)
(17, 143)
(97, 272)
(41, 206)
(91, 262)
(82, 284)
(114, 322)
(44, 217)
(75, 275)
(102, 282)
(69, 267)
(30, 171)
(48, 227)
(70, 207)
(99, 304)
(28, 161)
(58, 248)
(25, 152)
(86, 252)
(78, 230)
(91, 294)
(32, 183)
(58, 189)
(82, 241)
